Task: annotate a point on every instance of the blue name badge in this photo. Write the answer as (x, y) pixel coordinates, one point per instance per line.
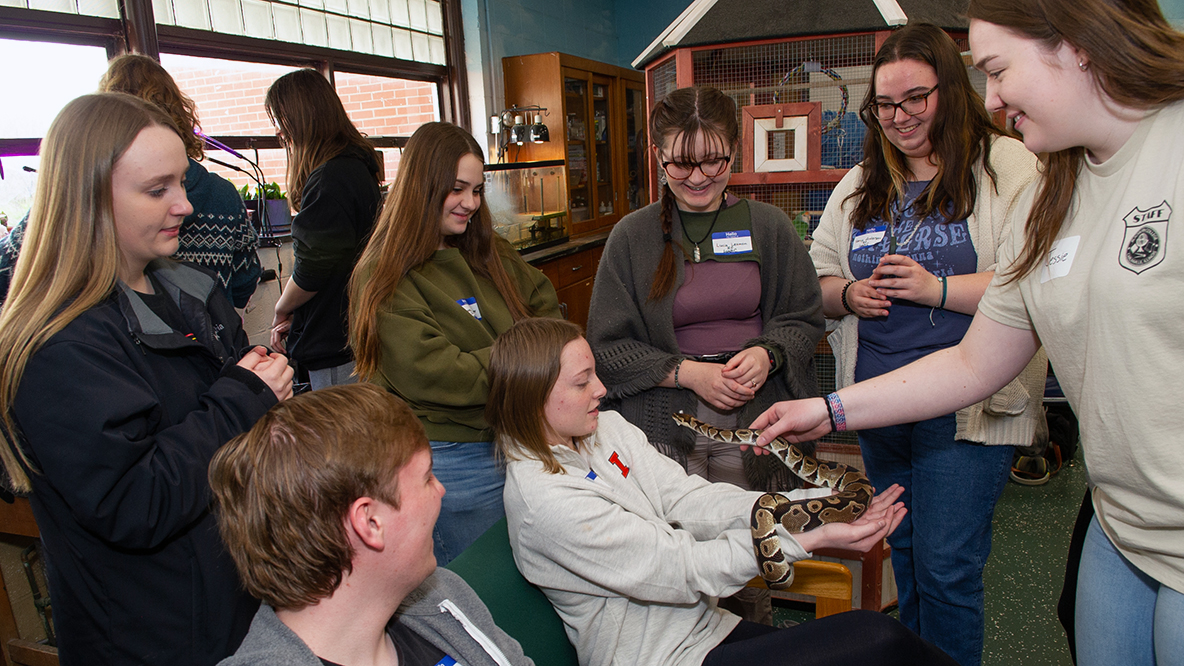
(591, 475)
(470, 306)
(731, 242)
(446, 661)
(868, 237)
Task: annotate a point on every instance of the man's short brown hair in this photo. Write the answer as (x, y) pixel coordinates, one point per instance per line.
(285, 486)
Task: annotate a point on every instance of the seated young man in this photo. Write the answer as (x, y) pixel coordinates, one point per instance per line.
(327, 506)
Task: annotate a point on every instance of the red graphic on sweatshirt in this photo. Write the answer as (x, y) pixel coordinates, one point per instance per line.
(616, 460)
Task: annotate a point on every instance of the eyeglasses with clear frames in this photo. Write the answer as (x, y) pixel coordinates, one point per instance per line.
(913, 105)
(709, 168)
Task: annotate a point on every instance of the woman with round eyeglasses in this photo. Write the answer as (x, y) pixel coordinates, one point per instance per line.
(904, 250)
(704, 303)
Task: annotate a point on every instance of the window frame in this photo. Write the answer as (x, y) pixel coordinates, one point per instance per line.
(124, 35)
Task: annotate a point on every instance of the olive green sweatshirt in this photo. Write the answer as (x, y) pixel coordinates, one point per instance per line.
(436, 332)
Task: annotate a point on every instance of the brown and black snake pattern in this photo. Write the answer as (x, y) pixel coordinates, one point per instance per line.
(853, 494)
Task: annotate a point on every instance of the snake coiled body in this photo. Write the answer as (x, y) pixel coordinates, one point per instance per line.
(853, 494)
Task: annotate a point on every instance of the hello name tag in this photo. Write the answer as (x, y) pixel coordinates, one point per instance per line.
(868, 237)
(731, 242)
(470, 306)
(1060, 259)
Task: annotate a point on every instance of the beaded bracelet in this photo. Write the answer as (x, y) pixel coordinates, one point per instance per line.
(834, 409)
(676, 369)
(845, 288)
(942, 305)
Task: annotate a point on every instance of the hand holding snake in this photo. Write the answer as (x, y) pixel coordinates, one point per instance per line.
(850, 518)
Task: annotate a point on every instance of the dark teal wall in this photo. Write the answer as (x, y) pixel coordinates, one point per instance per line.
(640, 21)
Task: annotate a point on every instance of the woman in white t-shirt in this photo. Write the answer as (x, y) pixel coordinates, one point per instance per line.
(1093, 274)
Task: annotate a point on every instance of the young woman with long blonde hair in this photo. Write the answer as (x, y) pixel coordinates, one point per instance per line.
(121, 372)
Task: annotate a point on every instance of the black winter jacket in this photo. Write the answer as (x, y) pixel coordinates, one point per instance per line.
(120, 415)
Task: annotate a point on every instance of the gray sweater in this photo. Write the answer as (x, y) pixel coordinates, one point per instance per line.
(425, 611)
(632, 551)
(635, 346)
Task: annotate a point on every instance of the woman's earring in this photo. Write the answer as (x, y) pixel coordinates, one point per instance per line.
(1081, 64)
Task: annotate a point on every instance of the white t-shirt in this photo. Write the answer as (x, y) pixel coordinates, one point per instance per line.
(1108, 305)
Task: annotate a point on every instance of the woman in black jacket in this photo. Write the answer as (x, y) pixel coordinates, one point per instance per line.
(121, 372)
(333, 185)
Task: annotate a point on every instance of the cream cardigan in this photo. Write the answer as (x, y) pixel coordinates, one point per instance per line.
(1009, 416)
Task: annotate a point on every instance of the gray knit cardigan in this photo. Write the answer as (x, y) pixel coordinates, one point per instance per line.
(633, 338)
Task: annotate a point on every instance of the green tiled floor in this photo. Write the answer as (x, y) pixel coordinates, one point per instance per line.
(1024, 575)
(1023, 578)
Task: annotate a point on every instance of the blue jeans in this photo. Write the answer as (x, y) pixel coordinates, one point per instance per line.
(941, 546)
(473, 481)
(1123, 615)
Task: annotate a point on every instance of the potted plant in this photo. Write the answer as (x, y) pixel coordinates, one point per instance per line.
(277, 214)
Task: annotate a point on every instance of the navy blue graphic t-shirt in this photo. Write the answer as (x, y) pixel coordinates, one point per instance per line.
(907, 334)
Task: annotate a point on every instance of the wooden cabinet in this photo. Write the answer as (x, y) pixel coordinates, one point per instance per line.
(573, 276)
(596, 120)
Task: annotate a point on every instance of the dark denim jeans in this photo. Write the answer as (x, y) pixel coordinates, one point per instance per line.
(473, 482)
(941, 546)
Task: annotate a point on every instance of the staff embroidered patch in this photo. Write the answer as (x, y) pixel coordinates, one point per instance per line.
(1144, 244)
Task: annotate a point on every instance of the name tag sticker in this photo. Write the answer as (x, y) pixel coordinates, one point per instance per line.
(470, 306)
(868, 237)
(1060, 259)
(731, 242)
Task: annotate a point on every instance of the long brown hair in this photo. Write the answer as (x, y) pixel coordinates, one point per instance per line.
(408, 233)
(145, 78)
(1135, 58)
(683, 114)
(70, 257)
(284, 487)
(960, 134)
(523, 367)
(316, 128)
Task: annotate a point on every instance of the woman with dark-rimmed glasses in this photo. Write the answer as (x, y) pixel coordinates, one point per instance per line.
(905, 249)
(704, 303)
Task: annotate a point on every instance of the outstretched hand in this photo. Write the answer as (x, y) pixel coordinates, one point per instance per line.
(794, 420)
(882, 516)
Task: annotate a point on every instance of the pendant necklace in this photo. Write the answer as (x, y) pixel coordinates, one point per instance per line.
(896, 212)
(698, 257)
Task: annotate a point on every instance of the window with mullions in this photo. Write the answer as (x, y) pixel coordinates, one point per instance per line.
(103, 8)
(405, 29)
(229, 95)
(49, 76)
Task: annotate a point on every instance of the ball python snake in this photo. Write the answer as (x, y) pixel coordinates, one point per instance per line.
(854, 493)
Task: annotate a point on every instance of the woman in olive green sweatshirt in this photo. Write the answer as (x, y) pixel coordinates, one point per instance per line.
(433, 289)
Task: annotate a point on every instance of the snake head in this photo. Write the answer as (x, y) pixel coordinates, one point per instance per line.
(683, 419)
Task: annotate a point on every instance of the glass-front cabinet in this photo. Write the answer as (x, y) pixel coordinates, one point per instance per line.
(636, 147)
(595, 115)
(588, 102)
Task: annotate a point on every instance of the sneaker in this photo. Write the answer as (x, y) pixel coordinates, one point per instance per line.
(1030, 471)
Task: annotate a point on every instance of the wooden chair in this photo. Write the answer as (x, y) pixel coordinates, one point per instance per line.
(17, 519)
(828, 582)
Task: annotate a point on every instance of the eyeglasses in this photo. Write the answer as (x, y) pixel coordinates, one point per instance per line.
(709, 168)
(913, 105)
